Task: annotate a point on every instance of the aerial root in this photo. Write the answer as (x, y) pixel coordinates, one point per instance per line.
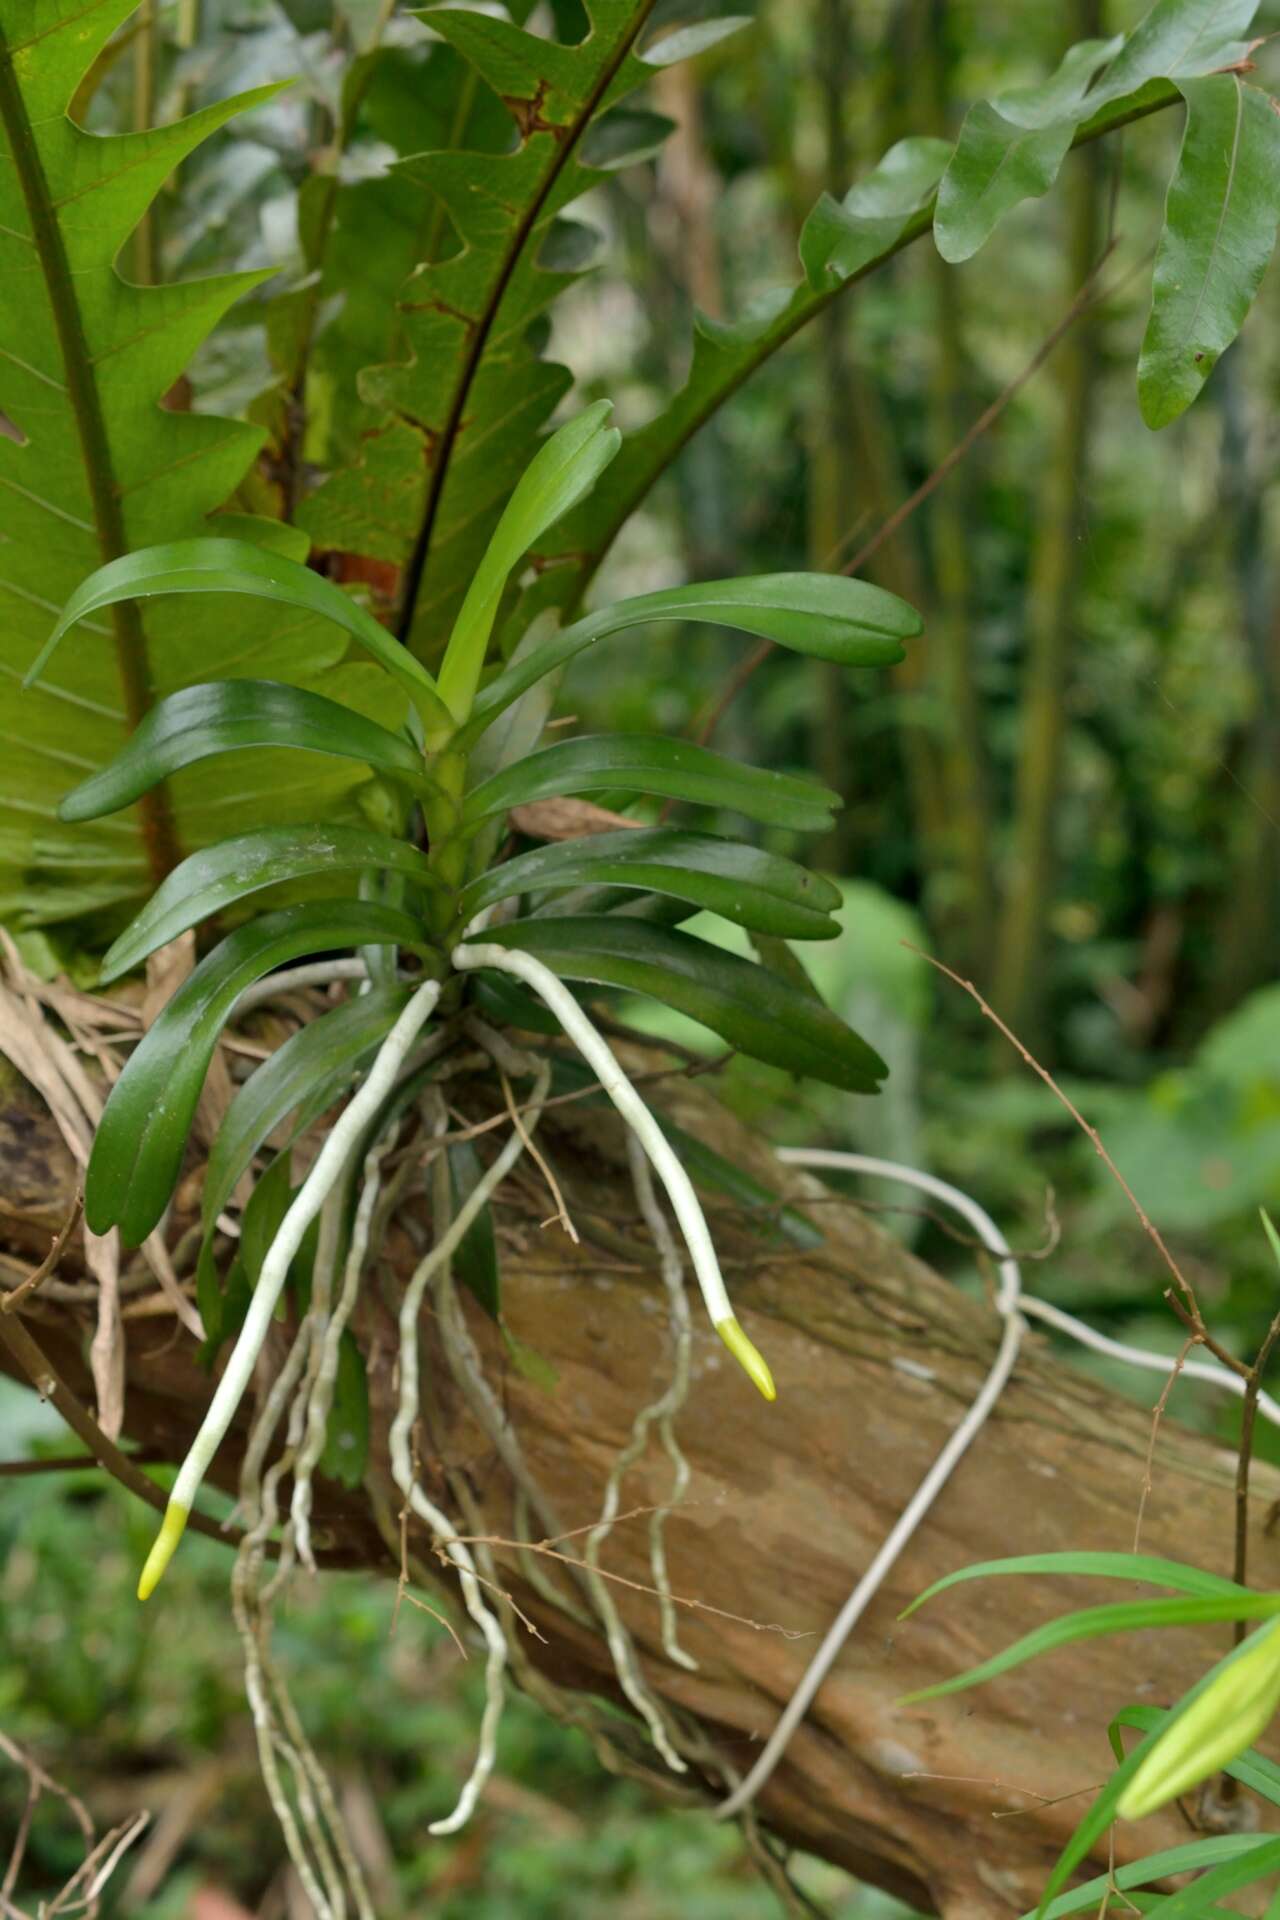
(328, 1342)
(614, 1082)
(663, 1410)
(452, 1549)
(315, 1190)
(315, 1832)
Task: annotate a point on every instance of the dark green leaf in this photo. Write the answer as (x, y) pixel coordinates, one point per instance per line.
(755, 889)
(209, 881)
(265, 1210)
(850, 622)
(346, 1440)
(1177, 40)
(226, 717)
(137, 1154)
(1010, 149)
(750, 1008)
(237, 566)
(475, 1259)
(1219, 233)
(653, 763)
(315, 1064)
(507, 1004)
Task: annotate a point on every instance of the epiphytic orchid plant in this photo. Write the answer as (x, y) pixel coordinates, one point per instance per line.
(437, 914)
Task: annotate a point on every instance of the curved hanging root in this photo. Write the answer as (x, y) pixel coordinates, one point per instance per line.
(258, 1498)
(1007, 1303)
(316, 1835)
(688, 1210)
(663, 1410)
(330, 1162)
(465, 1363)
(402, 1470)
(320, 1398)
(535, 1575)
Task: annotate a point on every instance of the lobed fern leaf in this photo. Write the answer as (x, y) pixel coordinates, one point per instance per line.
(461, 408)
(92, 465)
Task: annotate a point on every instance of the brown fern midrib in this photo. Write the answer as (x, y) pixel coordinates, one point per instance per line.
(158, 832)
(484, 325)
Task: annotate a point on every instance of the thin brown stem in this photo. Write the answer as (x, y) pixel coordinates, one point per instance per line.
(1244, 1461)
(10, 1302)
(1191, 1315)
(1089, 296)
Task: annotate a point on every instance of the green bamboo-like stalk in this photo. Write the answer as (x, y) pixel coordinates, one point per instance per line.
(1246, 940)
(963, 773)
(833, 472)
(1021, 974)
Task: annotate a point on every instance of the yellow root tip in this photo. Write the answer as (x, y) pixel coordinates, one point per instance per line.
(171, 1531)
(752, 1362)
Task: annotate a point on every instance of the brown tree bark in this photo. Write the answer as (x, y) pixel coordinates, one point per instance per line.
(876, 1358)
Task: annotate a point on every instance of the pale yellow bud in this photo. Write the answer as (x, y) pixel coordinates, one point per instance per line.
(748, 1357)
(1231, 1713)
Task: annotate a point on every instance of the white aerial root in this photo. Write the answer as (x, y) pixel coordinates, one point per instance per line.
(328, 1337)
(1007, 1303)
(330, 1161)
(441, 1527)
(253, 1626)
(685, 1203)
(316, 1834)
(662, 1411)
(1012, 1303)
(464, 1360)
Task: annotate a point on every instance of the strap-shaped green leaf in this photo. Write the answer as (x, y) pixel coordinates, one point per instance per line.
(307, 1074)
(209, 881)
(1188, 1858)
(238, 566)
(1091, 1623)
(746, 1005)
(653, 763)
(226, 717)
(1103, 1810)
(562, 471)
(137, 1153)
(825, 615)
(475, 1260)
(1219, 233)
(1087, 1565)
(755, 889)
